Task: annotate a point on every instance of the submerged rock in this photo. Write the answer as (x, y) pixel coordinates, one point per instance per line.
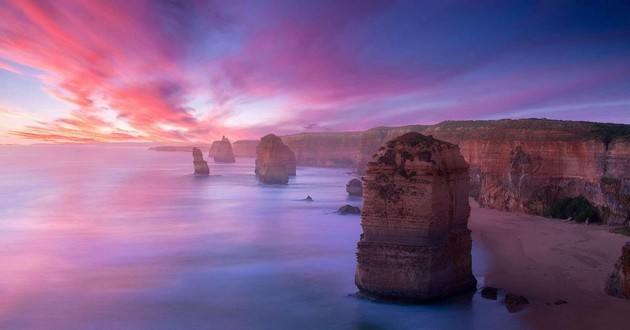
(354, 187)
(308, 198)
(489, 293)
(275, 162)
(515, 303)
(349, 209)
(415, 244)
(618, 281)
(201, 166)
(222, 151)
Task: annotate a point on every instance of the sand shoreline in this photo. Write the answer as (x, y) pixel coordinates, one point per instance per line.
(549, 260)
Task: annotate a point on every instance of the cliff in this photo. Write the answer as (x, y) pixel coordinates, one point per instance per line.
(521, 165)
(325, 149)
(275, 162)
(527, 165)
(221, 151)
(415, 242)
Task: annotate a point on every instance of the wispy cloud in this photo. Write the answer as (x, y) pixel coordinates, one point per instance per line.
(168, 70)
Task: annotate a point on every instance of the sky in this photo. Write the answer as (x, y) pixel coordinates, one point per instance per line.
(193, 71)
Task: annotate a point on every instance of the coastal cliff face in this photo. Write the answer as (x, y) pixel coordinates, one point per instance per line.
(527, 165)
(201, 166)
(325, 149)
(415, 242)
(245, 148)
(222, 151)
(275, 162)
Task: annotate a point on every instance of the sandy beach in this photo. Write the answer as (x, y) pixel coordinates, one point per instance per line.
(549, 260)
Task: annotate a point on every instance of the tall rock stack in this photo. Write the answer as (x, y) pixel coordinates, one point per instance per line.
(201, 166)
(222, 151)
(415, 243)
(275, 162)
(618, 281)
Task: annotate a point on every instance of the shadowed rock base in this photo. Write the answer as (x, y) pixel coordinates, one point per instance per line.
(415, 273)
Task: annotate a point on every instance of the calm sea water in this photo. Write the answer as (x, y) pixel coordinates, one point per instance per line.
(125, 238)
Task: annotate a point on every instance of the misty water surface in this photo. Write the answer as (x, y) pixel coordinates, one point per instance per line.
(125, 238)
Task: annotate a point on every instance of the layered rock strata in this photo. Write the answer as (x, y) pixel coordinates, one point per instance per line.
(201, 166)
(354, 187)
(523, 165)
(275, 162)
(415, 243)
(618, 281)
(221, 151)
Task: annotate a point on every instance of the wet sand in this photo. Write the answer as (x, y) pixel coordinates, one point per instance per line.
(549, 260)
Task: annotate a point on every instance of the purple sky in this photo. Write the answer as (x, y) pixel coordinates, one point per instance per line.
(195, 70)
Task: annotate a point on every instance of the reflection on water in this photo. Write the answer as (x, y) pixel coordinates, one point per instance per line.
(119, 238)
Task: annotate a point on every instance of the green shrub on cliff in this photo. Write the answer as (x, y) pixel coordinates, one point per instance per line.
(578, 209)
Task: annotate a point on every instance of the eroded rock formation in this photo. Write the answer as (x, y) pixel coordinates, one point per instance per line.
(349, 209)
(222, 151)
(415, 242)
(275, 162)
(354, 187)
(201, 166)
(618, 281)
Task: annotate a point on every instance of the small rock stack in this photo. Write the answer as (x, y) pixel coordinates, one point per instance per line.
(354, 187)
(222, 151)
(415, 243)
(618, 281)
(201, 166)
(275, 162)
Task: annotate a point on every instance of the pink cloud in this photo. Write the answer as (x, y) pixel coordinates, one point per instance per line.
(335, 65)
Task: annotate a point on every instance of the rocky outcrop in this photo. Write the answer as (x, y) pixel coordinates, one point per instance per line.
(275, 162)
(222, 151)
(349, 209)
(515, 303)
(489, 293)
(354, 187)
(618, 281)
(415, 242)
(201, 166)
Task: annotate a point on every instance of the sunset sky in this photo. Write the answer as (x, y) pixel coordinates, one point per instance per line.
(83, 71)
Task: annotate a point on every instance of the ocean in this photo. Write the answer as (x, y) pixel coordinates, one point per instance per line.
(105, 237)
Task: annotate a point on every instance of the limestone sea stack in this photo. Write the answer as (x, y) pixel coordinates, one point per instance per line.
(618, 281)
(354, 187)
(415, 243)
(201, 166)
(275, 162)
(222, 151)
